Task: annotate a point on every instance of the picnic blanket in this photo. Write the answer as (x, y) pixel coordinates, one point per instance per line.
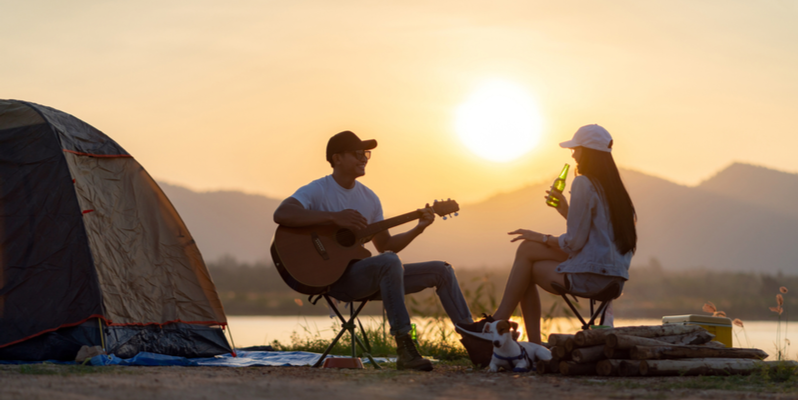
(242, 359)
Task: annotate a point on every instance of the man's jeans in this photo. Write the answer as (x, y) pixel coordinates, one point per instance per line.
(385, 273)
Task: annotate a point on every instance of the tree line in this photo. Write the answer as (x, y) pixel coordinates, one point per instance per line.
(651, 292)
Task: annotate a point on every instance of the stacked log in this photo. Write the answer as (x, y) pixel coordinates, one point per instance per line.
(660, 350)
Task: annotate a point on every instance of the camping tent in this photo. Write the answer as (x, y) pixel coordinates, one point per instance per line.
(91, 250)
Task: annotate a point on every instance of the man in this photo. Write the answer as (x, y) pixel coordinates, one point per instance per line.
(340, 199)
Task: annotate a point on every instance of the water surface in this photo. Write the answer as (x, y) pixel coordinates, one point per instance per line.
(263, 330)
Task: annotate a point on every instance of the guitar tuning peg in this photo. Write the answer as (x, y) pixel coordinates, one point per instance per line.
(435, 201)
(456, 214)
(448, 199)
(445, 218)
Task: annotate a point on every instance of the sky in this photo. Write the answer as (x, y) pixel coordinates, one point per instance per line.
(243, 95)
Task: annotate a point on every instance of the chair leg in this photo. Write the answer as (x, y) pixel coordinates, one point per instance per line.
(349, 326)
(330, 347)
(364, 335)
(599, 312)
(584, 325)
(352, 333)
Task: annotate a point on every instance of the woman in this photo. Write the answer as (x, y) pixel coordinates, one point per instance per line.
(598, 245)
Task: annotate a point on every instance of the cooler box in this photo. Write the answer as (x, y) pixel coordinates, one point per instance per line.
(720, 327)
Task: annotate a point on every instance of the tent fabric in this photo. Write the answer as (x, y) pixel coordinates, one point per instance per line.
(132, 227)
(87, 234)
(41, 232)
(18, 114)
(78, 136)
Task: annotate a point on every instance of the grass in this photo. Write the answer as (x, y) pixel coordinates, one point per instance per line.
(436, 339)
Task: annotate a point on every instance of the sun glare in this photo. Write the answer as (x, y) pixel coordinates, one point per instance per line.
(499, 122)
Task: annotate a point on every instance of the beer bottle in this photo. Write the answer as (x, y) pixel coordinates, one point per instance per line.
(559, 184)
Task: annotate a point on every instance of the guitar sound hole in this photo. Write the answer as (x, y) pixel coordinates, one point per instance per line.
(345, 237)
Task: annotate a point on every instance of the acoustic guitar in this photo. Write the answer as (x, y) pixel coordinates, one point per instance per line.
(310, 259)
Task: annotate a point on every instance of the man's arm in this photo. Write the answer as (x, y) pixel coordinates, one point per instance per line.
(292, 214)
(383, 241)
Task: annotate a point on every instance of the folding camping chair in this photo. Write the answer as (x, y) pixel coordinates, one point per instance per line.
(612, 291)
(348, 326)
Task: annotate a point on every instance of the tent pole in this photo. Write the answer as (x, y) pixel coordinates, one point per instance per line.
(102, 334)
(233, 345)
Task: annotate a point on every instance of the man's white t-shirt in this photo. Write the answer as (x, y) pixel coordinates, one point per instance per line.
(325, 194)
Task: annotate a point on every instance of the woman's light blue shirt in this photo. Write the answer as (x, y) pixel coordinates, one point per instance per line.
(589, 240)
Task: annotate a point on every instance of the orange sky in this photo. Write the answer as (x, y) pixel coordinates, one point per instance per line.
(244, 94)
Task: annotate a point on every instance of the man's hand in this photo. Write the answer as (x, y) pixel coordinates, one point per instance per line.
(427, 218)
(524, 234)
(563, 206)
(350, 219)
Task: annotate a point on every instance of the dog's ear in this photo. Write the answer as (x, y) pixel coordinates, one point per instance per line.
(502, 327)
(514, 325)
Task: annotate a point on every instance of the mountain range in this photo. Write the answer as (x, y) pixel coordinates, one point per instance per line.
(742, 219)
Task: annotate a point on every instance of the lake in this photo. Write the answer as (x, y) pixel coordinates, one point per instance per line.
(262, 330)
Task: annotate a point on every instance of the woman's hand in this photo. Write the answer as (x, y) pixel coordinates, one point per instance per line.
(563, 206)
(525, 234)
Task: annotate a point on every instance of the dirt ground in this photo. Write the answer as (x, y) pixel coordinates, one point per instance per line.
(305, 383)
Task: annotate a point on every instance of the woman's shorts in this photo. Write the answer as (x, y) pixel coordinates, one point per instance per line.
(588, 284)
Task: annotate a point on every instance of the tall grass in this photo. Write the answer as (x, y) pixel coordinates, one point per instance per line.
(437, 337)
(781, 345)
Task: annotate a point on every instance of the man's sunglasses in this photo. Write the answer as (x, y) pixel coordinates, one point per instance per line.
(359, 154)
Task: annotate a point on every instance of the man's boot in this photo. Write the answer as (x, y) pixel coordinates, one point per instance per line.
(408, 357)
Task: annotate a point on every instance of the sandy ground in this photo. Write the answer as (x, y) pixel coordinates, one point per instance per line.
(305, 383)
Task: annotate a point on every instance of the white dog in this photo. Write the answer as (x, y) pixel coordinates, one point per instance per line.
(508, 353)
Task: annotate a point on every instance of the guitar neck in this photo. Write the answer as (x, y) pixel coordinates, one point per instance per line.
(372, 229)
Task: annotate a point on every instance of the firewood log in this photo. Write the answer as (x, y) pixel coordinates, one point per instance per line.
(622, 342)
(573, 368)
(629, 368)
(543, 367)
(570, 344)
(617, 368)
(672, 352)
(697, 337)
(608, 367)
(558, 339)
(554, 365)
(616, 354)
(700, 366)
(598, 336)
(558, 352)
(588, 354)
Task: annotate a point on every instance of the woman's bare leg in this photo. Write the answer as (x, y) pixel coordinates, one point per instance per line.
(544, 272)
(534, 265)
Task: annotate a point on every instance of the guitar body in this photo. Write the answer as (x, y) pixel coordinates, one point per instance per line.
(310, 259)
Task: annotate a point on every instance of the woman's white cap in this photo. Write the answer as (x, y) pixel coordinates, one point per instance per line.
(591, 136)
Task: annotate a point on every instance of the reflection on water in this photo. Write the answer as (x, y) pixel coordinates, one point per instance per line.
(262, 330)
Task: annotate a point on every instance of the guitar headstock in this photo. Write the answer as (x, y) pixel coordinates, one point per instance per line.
(445, 207)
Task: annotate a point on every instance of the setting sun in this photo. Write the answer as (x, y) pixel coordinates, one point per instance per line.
(499, 122)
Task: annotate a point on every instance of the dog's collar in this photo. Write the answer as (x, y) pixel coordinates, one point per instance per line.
(522, 354)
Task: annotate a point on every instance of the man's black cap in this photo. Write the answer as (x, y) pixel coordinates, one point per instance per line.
(347, 141)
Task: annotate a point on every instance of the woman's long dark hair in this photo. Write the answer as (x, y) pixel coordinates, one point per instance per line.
(601, 169)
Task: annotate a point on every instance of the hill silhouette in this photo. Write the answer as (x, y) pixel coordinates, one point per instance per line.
(727, 223)
(756, 185)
